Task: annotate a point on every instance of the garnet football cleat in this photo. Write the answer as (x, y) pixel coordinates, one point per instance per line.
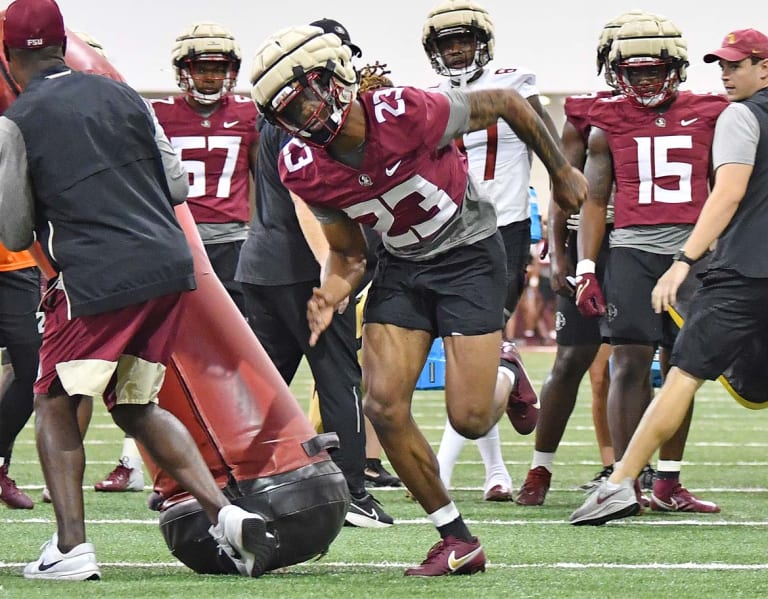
(607, 502)
(498, 493)
(451, 556)
(671, 496)
(122, 479)
(535, 487)
(10, 494)
(79, 563)
(523, 404)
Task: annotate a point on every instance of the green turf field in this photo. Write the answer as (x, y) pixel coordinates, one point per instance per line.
(532, 552)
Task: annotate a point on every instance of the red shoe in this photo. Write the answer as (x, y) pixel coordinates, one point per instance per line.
(671, 496)
(451, 556)
(122, 479)
(535, 487)
(10, 494)
(523, 404)
(498, 493)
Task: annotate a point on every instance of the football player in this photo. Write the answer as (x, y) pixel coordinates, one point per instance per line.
(387, 158)
(653, 143)
(579, 346)
(214, 132)
(458, 37)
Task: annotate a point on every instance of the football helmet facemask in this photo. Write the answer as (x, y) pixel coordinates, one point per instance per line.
(649, 59)
(206, 43)
(303, 81)
(458, 18)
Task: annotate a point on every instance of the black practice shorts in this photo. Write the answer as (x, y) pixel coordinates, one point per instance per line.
(19, 300)
(571, 327)
(517, 244)
(726, 313)
(632, 275)
(458, 292)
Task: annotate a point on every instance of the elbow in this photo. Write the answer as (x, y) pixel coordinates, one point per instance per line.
(179, 189)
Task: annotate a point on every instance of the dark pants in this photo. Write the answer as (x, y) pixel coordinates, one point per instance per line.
(278, 317)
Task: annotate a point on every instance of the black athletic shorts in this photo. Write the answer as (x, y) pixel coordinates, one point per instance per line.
(632, 275)
(458, 292)
(727, 312)
(572, 328)
(517, 244)
(19, 300)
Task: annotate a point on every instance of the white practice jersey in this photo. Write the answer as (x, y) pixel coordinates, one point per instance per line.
(498, 159)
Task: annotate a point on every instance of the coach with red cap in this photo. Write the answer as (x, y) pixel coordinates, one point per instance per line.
(727, 313)
(89, 173)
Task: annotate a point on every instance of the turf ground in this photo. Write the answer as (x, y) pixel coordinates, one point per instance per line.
(532, 552)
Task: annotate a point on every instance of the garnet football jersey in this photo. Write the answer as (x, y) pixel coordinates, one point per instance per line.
(417, 195)
(577, 110)
(661, 160)
(214, 150)
(499, 160)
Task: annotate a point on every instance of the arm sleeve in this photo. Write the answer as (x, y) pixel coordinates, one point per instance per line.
(458, 119)
(737, 133)
(175, 173)
(17, 206)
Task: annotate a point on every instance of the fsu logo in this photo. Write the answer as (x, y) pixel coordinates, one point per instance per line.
(559, 321)
(364, 180)
(661, 122)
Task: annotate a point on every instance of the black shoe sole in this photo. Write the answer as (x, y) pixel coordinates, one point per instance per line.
(257, 541)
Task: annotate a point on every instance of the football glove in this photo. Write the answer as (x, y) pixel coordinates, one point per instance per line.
(589, 296)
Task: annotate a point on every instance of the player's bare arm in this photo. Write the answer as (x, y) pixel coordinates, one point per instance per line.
(599, 173)
(344, 269)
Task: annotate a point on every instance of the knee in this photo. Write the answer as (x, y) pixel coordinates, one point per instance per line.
(471, 423)
(385, 414)
(130, 418)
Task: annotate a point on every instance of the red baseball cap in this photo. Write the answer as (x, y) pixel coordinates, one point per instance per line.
(739, 44)
(33, 24)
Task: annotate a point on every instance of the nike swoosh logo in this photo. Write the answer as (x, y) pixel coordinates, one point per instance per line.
(454, 563)
(672, 506)
(602, 498)
(372, 515)
(44, 567)
(580, 290)
(685, 122)
(391, 171)
(230, 124)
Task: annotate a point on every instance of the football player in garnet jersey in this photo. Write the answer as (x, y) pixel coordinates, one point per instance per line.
(727, 313)
(214, 133)
(579, 346)
(653, 142)
(458, 38)
(387, 159)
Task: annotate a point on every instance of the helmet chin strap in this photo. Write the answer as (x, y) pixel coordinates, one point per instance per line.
(464, 79)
